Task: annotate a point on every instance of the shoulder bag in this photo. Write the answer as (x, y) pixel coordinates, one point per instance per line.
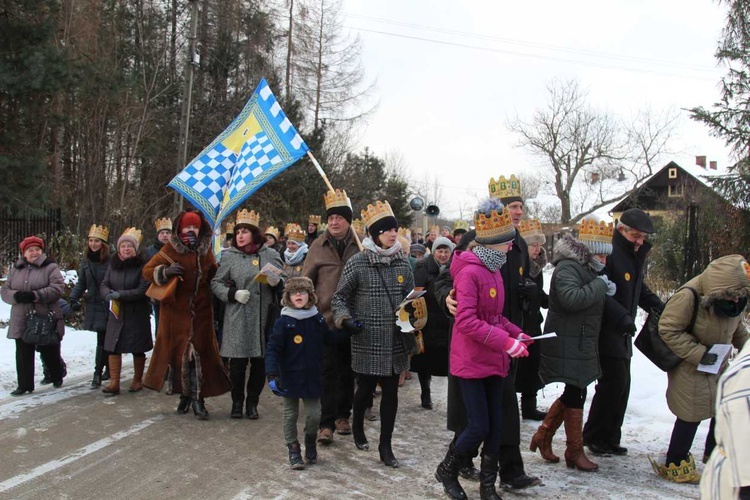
(408, 339)
(164, 293)
(41, 329)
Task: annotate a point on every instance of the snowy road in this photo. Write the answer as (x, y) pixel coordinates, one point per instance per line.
(74, 443)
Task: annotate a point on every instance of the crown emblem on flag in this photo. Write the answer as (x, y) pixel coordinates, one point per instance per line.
(314, 219)
(529, 227)
(134, 233)
(294, 232)
(250, 218)
(101, 232)
(461, 224)
(358, 226)
(494, 226)
(374, 213)
(163, 223)
(337, 198)
(505, 188)
(591, 230)
(273, 231)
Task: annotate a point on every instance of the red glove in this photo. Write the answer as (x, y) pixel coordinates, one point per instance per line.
(515, 348)
(526, 339)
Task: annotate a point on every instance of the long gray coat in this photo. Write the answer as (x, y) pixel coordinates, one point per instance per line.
(90, 276)
(244, 334)
(378, 350)
(576, 306)
(133, 328)
(42, 277)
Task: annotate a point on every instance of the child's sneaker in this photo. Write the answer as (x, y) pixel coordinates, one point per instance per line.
(311, 448)
(295, 456)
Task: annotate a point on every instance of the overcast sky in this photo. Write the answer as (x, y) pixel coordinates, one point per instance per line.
(450, 73)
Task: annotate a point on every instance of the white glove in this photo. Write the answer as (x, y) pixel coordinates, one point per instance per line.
(242, 296)
(611, 287)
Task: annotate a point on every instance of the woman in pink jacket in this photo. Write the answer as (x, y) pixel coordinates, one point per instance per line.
(482, 344)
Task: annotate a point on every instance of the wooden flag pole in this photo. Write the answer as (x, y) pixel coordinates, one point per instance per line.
(330, 188)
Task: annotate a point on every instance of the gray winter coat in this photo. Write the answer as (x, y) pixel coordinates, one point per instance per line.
(131, 332)
(42, 277)
(245, 325)
(576, 306)
(378, 350)
(90, 276)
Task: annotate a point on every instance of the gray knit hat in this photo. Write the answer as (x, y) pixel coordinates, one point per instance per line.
(597, 236)
(442, 241)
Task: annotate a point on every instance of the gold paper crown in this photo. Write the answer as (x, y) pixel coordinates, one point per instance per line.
(358, 226)
(314, 219)
(294, 232)
(244, 217)
(530, 227)
(273, 231)
(405, 232)
(435, 229)
(374, 213)
(493, 226)
(461, 224)
(163, 223)
(134, 233)
(230, 227)
(505, 188)
(337, 198)
(101, 232)
(591, 230)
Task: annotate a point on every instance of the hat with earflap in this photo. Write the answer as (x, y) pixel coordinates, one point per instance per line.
(300, 284)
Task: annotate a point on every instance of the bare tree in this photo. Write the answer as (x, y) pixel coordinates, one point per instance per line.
(594, 158)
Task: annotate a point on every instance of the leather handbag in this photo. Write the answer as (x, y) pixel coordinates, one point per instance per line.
(164, 293)
(41, 329)
(650, 343)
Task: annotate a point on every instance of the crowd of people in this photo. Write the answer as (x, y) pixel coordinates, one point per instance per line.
(312, 313)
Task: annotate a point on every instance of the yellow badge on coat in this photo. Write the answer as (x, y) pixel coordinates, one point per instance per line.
(493, 293)
(298, 268)
(297, 339)
(256, 262)
(400, 279)
(520, 271)
(627, 276)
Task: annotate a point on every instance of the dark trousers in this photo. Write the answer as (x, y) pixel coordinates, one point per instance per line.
(683, 434)
(388, 404)
(25, 354)
(483, 399)
(573, 397)
(338, 385)
(255, 382)
(101, 355)
(607, 413)
(511, 462)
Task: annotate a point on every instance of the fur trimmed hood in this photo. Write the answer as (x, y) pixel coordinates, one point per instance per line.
(570, 248)
(204, 238)
(725, 278)
(536, 266)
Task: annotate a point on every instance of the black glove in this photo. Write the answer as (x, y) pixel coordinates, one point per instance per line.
(709, 358)
(74, 305)
(353, 326)
(625, 326)
(24, 297)
(174, 269)
(528, 291)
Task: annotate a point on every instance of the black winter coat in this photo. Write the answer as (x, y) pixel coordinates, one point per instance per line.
(625, 268)
(434, 360)
(131, 332)
(90, 276)
(527, 376)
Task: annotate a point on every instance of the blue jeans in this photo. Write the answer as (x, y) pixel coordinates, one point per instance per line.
(483, 399)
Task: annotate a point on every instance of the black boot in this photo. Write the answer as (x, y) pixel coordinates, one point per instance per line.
(386, 455)
(184, 405)
(236, 409)
(487, 477)
(96, 382)
(106, 375)
(311, 448)
(199, 409)
(99, 363)
(467, 470)
(528, 409)
(47, 379)
(424, 384)
(447, 473)
(295, 456)
(251, 411)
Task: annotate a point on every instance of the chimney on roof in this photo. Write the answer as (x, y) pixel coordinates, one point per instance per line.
(713, 165)
(594, 177)
(700, 161)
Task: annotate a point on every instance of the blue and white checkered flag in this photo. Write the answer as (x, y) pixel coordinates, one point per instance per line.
(258, 145)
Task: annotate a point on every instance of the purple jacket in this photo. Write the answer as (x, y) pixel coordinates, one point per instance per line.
(480, 330)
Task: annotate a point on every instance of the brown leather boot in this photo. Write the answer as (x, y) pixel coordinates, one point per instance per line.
(139, 363)
(574, 455)
(542, 439)
(115, 366)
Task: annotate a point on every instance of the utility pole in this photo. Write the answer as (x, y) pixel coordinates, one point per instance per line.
(187, 99)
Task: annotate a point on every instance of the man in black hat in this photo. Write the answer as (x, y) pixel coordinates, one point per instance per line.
(625, 267)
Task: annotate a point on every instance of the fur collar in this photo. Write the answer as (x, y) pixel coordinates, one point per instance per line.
(569, 248)
(204, 244)
(119, 264)
(537, 265)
